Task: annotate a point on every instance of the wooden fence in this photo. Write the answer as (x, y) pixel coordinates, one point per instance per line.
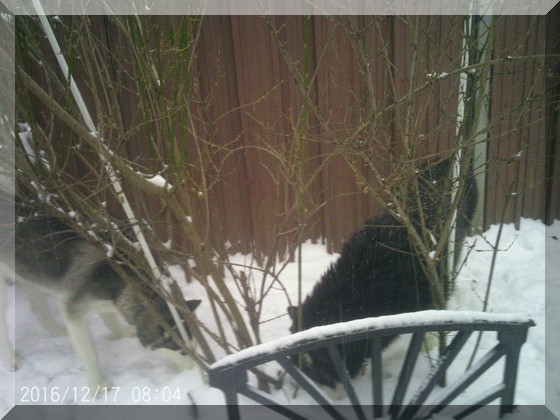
(263, 138)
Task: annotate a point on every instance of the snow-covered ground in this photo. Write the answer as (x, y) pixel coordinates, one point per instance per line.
(50, 373)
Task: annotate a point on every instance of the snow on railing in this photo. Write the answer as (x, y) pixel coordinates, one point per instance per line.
(230, 374)
(406, 320)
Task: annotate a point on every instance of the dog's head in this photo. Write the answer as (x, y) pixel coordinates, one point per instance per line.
(153, 331)
(316, 364)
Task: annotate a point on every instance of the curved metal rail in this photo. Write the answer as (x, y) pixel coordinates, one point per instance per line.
(230, 374)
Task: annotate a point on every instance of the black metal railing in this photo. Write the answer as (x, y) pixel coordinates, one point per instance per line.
(230, 374)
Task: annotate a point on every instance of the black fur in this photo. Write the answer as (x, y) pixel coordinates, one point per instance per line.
(377, 272)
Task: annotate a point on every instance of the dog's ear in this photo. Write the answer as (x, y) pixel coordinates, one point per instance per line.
(193, 304)
(292, 311)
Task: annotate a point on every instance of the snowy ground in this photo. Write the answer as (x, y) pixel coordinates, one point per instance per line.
(50, 373)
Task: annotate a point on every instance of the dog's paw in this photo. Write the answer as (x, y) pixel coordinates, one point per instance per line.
(181, 361)
(117, 328)
(336, 393)
(14, 363)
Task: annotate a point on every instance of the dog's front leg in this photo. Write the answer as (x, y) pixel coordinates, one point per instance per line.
(40, 307)
(117, 328)
(77, 323)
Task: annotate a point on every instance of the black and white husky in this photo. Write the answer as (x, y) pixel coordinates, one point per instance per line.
(52, 258)
(378, 272)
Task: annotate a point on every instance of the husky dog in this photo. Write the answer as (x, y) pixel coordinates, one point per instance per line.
(52, 258)
(379, 274)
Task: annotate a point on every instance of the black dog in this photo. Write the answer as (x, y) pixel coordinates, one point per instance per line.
(378, 272)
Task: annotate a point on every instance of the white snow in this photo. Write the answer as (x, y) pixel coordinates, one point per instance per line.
(26, 139)
(8, 17)
(142, 377)
(437, 75)
(110, 250)
(159, 181)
